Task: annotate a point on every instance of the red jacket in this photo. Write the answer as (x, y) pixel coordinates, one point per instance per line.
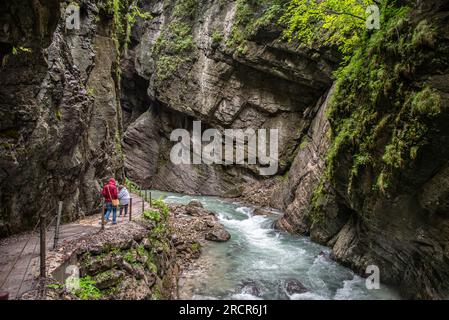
(110, 191)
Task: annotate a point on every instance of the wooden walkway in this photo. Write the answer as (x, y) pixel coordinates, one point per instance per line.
(19, 254)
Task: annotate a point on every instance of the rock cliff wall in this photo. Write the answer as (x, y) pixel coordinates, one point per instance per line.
(362, 171)
(376, 190)
(191, 66)
(60, 117)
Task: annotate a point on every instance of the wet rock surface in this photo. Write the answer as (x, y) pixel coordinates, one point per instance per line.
(399, 224)
(218, 235)
(272, 85)
(204, 222)
(251, 287)
(195, 203)
(293, 286)
(59, 112)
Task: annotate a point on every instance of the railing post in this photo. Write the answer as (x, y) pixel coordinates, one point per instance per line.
(143, 205)
(102, 216)
(146, 196)
(58, 222)
(151, 201)
(43, 247)
(130, 208)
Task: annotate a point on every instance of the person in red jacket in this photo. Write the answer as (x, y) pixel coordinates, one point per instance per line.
(110, 193)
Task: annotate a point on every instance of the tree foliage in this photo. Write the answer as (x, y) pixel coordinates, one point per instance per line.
(330, 22)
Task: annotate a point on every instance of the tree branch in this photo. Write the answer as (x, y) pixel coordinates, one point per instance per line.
(345, 13)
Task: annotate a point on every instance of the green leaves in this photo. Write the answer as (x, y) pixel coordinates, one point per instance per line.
(17, 50)
(327, 22)
(175, 44)
(152, 215)
(249, 17)
(133, 13)
(162, 206)
(87, 289)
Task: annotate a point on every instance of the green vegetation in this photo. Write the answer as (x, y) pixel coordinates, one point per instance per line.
(104, 276)
(91, 92)
(55, 286)
(372, 102)
(17, 50)
(159, 213)
(58, 114)
(195, 247)
(150, 265)
(124, 15)
(329, 22)
(156, 294)
(175, 44)
(133, 13)
(217, 36)
(304, 143)
(152, 215)
(340, 23)
(158, 235)
(251, 15)
(317, 202)
(118, 146)
(6, 145)
(185, 9)
(130, 257)
(132, 187)
(162, 206)
(87, 289)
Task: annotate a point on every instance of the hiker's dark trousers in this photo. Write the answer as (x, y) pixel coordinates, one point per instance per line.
(124, 207)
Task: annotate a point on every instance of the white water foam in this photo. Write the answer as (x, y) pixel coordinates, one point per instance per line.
(351, 289)
(307, 296)
(246, 211)
(244, 296)
(258, 253)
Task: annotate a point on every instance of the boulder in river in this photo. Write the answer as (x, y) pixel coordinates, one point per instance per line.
(197, 211)
(195, 203)
(293, 286)
(251, 287)
(218, 235)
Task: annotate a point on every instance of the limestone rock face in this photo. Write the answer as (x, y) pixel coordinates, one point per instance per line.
(391, 215)
(60, 118)
(296, 191)
(272, 85)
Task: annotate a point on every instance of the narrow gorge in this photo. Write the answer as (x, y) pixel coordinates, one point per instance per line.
(363, 156)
